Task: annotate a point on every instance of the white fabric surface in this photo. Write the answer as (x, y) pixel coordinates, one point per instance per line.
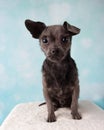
(29, 116)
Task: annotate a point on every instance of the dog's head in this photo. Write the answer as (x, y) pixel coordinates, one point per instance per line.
(55, 41)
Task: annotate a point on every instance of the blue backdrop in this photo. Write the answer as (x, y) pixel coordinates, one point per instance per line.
(21, 57)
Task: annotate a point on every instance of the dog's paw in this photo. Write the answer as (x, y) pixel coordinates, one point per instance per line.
(76, 116)
(51, 118)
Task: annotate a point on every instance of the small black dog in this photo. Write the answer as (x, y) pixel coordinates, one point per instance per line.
(60, 75)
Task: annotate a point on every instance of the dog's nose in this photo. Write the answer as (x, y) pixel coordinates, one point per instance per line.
(54, 51)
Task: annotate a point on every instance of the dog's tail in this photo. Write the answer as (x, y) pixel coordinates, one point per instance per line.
(42, 104)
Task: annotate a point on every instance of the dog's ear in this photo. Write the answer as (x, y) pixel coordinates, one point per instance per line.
(72, 29)
(35, 28)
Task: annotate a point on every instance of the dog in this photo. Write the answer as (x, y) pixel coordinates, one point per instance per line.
(59, 70)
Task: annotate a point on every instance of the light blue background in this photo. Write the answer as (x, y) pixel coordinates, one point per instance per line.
(21, 58)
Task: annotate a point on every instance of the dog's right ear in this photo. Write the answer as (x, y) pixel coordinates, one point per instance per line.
(35, 28)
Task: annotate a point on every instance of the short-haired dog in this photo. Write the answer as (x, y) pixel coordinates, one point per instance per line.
(59, 71)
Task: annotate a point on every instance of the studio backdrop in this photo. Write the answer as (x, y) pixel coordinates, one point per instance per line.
(21, 57)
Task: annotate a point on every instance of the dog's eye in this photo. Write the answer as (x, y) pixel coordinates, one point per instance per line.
(65, 39)
(45, 40)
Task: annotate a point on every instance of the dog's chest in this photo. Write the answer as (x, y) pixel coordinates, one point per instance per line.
(59, 76)
(60, 79)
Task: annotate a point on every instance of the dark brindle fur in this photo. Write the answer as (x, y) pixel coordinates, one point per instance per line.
(60, 75)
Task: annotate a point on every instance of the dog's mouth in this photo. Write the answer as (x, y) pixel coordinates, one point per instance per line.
(55, 57)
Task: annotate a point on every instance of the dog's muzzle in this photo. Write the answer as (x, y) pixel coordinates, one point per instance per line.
(55, 54)
(55, 51)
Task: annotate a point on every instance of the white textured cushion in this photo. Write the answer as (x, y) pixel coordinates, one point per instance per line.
(29, 116)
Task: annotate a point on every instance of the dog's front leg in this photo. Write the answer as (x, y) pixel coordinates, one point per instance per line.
(50, 107)
(74, 104)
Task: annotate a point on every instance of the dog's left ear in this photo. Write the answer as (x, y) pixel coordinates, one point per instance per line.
(72, 29)
(35, 28)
